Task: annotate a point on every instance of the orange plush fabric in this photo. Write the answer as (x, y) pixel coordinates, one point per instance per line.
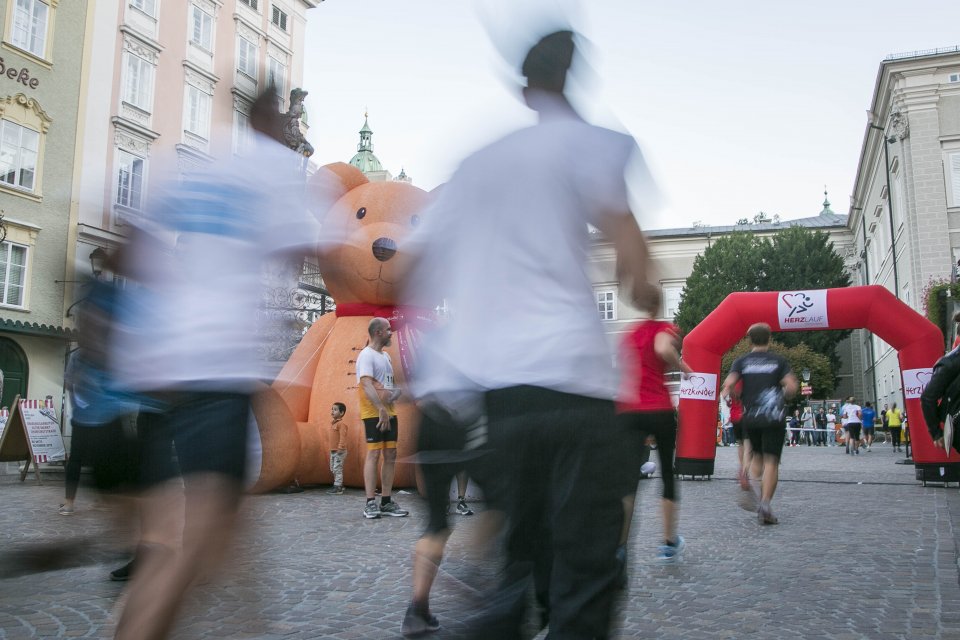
(362, 261)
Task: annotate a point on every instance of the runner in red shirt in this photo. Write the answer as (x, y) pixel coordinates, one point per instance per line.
(736, 413)
(644, 407)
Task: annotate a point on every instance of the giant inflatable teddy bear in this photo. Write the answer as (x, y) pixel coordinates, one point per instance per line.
(362, 262)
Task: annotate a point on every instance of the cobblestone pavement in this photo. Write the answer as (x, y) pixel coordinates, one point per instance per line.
(861, 551)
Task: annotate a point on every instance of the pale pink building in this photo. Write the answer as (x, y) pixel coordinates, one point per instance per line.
(168, 86)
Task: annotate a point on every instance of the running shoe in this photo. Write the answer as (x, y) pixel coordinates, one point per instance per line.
(335, 491)
(393, 510)
(463, 509)
(65, 510)
(765, 516)
(416, 623)
(372, 510)
(123, 573)
(670, 553)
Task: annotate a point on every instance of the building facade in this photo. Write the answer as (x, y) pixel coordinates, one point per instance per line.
(905, 206)
(169, 88)
(41, 71)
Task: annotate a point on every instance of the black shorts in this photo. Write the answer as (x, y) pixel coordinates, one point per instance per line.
(868, 432)
(206, 429)
(377, 439)
(442, 453)
(765, 437)
(110, 451)
(853, 430)
(635, 426)
(738, 431)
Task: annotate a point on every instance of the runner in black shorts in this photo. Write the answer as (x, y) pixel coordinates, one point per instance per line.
(445, 447)
(767, 380)
(386, 439)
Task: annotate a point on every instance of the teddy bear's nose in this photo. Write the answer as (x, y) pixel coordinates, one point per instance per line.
(384, 248)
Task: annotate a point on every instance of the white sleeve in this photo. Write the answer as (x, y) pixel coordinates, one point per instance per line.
(365, 365)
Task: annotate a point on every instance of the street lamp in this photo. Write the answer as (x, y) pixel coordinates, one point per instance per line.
(806, 391)
(98, 259)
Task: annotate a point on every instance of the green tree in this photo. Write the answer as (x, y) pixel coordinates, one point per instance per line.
(795, 258)
(731, 263)
(798, 258)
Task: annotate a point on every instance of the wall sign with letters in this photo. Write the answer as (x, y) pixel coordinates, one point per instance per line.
(21, 75)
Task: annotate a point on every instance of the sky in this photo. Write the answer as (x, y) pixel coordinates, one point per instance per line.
(739, 106)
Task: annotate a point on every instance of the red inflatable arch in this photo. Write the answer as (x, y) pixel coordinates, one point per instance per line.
(918, 342)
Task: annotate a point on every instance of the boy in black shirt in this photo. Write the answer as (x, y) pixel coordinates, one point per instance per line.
(767, 382)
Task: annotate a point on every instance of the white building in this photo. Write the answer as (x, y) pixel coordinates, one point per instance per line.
(905, 206)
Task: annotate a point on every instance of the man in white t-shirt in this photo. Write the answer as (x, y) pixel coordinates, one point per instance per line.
(850, 418)
(506, 245)
(831, 434)
(377, 393)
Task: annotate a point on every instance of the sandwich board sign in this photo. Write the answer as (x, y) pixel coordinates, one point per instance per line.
(32, 434)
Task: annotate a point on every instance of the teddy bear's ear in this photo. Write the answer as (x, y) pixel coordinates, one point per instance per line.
(330, 183)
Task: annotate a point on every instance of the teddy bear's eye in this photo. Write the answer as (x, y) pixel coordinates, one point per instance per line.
(362, 211)
(414, 221)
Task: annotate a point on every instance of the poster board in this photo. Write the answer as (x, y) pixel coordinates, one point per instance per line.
(31, 434)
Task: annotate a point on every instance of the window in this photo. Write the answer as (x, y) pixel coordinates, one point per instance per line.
(130, 174)
(276, 75)
(242, 135)
(247, 57)
(138, 87)
(196, 117)
(149, 7)
(955, 77)
(30, 26)
(13, 270)
(607, 304)
(279, 17)
(250, 3)
(19, 147)
(201, 28)
(953, 170)
(671, 300)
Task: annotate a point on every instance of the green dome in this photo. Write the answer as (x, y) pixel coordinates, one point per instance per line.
(366, 162)
(364, 158)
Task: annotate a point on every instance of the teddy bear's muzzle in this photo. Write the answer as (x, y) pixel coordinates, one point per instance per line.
(384, 249)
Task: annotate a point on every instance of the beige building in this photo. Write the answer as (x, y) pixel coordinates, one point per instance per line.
(41, 72)
(905, 206)
(169, 85)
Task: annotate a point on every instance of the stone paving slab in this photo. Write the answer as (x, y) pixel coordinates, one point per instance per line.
(862, 551)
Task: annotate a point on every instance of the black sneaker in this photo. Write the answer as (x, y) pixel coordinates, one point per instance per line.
(123, 573)
(335, 491)
(463, 509)
(393, 510)
(416, 624)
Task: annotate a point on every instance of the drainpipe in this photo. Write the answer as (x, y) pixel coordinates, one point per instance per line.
(893, 230)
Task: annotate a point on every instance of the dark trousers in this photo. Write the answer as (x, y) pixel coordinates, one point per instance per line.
(895, 435)
(559, 455)
(105, 448)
